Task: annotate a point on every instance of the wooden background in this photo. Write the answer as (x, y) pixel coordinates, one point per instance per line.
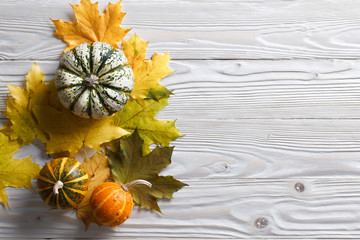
(267, 94)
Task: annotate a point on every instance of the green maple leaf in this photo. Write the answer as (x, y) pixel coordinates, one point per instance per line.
(127, 163)
(158, 93)
(141, 116)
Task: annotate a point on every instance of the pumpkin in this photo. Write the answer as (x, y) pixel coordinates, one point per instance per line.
(111, 204)
(62, 183)
(94, 80)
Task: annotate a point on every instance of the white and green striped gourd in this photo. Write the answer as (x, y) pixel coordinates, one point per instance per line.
(94, 80)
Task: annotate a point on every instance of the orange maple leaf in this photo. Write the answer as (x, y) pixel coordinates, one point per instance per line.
(90, 26)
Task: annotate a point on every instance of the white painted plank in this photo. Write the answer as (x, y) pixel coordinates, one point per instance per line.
(267, 149)
(214, 89)
(264, 89)
(202, 29)
(233, 149)
(221, 209)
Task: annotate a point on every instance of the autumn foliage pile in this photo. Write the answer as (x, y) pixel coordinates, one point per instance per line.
(34, 112)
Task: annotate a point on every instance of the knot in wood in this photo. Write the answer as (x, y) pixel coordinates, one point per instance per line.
(261, 222)
(299, 187)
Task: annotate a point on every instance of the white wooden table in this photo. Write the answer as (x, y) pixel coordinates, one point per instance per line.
(267, 94)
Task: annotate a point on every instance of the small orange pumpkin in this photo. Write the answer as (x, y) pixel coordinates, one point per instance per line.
(111, 204)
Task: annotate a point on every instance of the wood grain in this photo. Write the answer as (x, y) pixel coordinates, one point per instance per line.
(201, 29)
(234, 149)
(241, 89)
(255, 119)
(267, 94)
(267, 149)
(221, 209)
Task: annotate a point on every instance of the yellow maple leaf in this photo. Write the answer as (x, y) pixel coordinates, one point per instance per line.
(68, 132)
(7, 130)
(19, 106)
(21, 125)
(35, 112)
(90, 26)
(98, 169)
(147, 73)
(14, 173)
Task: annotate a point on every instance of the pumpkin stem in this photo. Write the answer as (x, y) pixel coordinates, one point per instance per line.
(128, 185)
(91, 81)
(58, 185)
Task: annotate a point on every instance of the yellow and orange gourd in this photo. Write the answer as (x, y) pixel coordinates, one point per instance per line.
(63, 183)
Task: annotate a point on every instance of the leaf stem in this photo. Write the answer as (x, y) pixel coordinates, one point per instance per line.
(128, 185)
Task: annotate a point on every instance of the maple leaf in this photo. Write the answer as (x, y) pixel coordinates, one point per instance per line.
(90, 26)
(128, 164)
(68, 132)
(7, 130)
(19, 106)
(21, 125)
(35, 112)
(140, 116)
(147, 73)
(14, 173)
(97, 168)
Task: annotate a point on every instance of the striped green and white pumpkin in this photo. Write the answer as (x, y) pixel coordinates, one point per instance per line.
(63, 183)
(94, 80)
